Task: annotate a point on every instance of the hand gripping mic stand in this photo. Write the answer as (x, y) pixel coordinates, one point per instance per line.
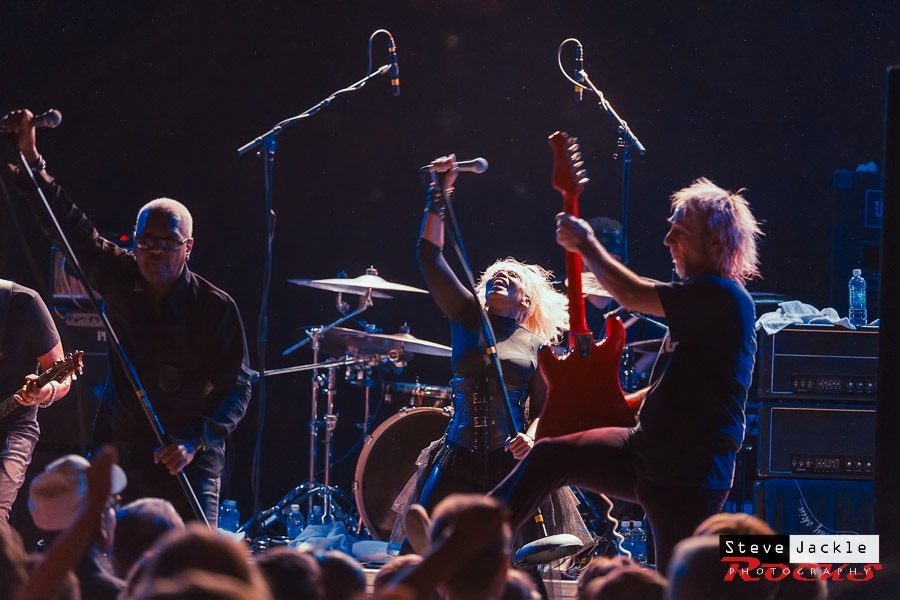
(266, 145)
(627, 140)
(129, 370)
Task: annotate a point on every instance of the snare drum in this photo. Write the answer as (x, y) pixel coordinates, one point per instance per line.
(388, 460)
(415, 395)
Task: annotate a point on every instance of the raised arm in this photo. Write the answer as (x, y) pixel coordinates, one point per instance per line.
(451, 296)
(627, 288)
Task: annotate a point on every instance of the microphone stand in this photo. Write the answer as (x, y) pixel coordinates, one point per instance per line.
(266, 145)
(627, 141)
(129, 370)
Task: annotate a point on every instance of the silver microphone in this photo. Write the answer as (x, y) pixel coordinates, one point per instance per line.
(476, 165)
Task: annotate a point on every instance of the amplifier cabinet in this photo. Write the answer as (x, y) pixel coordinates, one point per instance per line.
(815, 506)
(816, 440)
(816, 362)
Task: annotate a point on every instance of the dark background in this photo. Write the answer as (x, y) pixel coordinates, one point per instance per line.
(157, 97)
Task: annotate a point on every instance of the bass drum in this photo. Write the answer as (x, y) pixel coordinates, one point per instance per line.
(388, 460)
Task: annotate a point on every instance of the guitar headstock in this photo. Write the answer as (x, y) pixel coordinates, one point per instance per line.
(72, 364)
(569, 175)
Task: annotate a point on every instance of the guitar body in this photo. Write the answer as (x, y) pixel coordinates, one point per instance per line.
(583, 391)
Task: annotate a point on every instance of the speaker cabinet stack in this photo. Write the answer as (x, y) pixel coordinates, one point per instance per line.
(816, 448)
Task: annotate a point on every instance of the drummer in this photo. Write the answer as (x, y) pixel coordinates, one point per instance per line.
(525, 312)
(609, 233)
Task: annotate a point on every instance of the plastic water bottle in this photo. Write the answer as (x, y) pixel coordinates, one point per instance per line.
(229, 516)
(857, 287)
(317, 517)
(293, 520)
(639, 542)
(627, 543)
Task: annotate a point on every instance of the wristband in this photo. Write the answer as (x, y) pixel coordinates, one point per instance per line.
(52, 397)
(39, 166)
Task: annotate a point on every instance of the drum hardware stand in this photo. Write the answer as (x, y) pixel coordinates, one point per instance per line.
(311, 489)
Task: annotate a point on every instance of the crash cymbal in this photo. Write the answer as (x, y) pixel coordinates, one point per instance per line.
(767, 298)
(323, 284)
(340, 341)
(591, 287)
(359, 285)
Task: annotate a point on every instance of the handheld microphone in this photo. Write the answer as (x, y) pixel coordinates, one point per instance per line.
(579, 71)
(49, 119)
(476, 165)
(394, 70)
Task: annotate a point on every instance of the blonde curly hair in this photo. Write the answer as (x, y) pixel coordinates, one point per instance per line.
(548, 315)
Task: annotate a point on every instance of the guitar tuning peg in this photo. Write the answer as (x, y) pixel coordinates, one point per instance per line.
(582, 174)
(583, 180)
(578, 164)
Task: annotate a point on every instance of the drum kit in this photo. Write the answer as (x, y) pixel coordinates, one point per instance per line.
(388, 456)
(359, 352)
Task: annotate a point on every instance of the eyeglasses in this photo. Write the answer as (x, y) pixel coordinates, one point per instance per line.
(151, 242)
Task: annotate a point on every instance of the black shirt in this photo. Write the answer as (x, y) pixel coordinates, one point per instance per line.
(189, 350)
(30, 333)
(692, 421)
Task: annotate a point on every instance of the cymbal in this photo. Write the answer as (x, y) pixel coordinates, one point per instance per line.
(340, 340)
(590, 286)
(767, 298)
(646, 346)
(359, 285)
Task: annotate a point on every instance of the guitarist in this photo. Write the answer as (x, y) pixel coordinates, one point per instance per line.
(28, 336)
(678, 463)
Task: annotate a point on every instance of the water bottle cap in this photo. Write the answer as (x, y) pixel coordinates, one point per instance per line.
(856, 272)
(295, 507)
(230, 503)
(317, 509)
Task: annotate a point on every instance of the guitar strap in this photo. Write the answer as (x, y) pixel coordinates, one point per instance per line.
(5, 295)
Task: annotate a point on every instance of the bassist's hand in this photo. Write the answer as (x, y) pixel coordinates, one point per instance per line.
(520, 445)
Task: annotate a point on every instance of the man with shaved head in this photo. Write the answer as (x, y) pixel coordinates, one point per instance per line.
(184, 336)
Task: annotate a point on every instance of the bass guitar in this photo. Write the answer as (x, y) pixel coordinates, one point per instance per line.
(583, 388)
(70, 365)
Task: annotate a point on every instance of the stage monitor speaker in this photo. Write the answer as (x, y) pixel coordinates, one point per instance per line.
(816, 441)
(816, 507)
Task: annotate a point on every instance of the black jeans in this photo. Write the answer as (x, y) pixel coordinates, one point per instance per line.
(603, 461)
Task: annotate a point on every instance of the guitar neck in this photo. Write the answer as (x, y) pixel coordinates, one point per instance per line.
(577, 320)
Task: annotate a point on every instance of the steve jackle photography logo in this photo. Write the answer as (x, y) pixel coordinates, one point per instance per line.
(803, 557)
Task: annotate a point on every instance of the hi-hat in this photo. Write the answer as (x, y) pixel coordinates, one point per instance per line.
(340, 340)
(590, 286)
(359, 285)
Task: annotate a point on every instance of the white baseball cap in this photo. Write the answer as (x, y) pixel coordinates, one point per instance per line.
(57, 494)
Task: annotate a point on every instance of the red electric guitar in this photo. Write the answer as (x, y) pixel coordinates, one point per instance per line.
(58, 371)
(583, 389)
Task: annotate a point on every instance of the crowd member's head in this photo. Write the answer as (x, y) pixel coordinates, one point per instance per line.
(163, 240)
(626, 583)
(484, 572)
(12, 561)
(291, 574)
(733, 524)
(601, 566)
(59, 493)
(388, 570)
(196, 548)
(697, 573)
(519, 586)
(200, 585)
(70, 589)
(713, 231)
(523, 291)
(342, 576)
(138, 526)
